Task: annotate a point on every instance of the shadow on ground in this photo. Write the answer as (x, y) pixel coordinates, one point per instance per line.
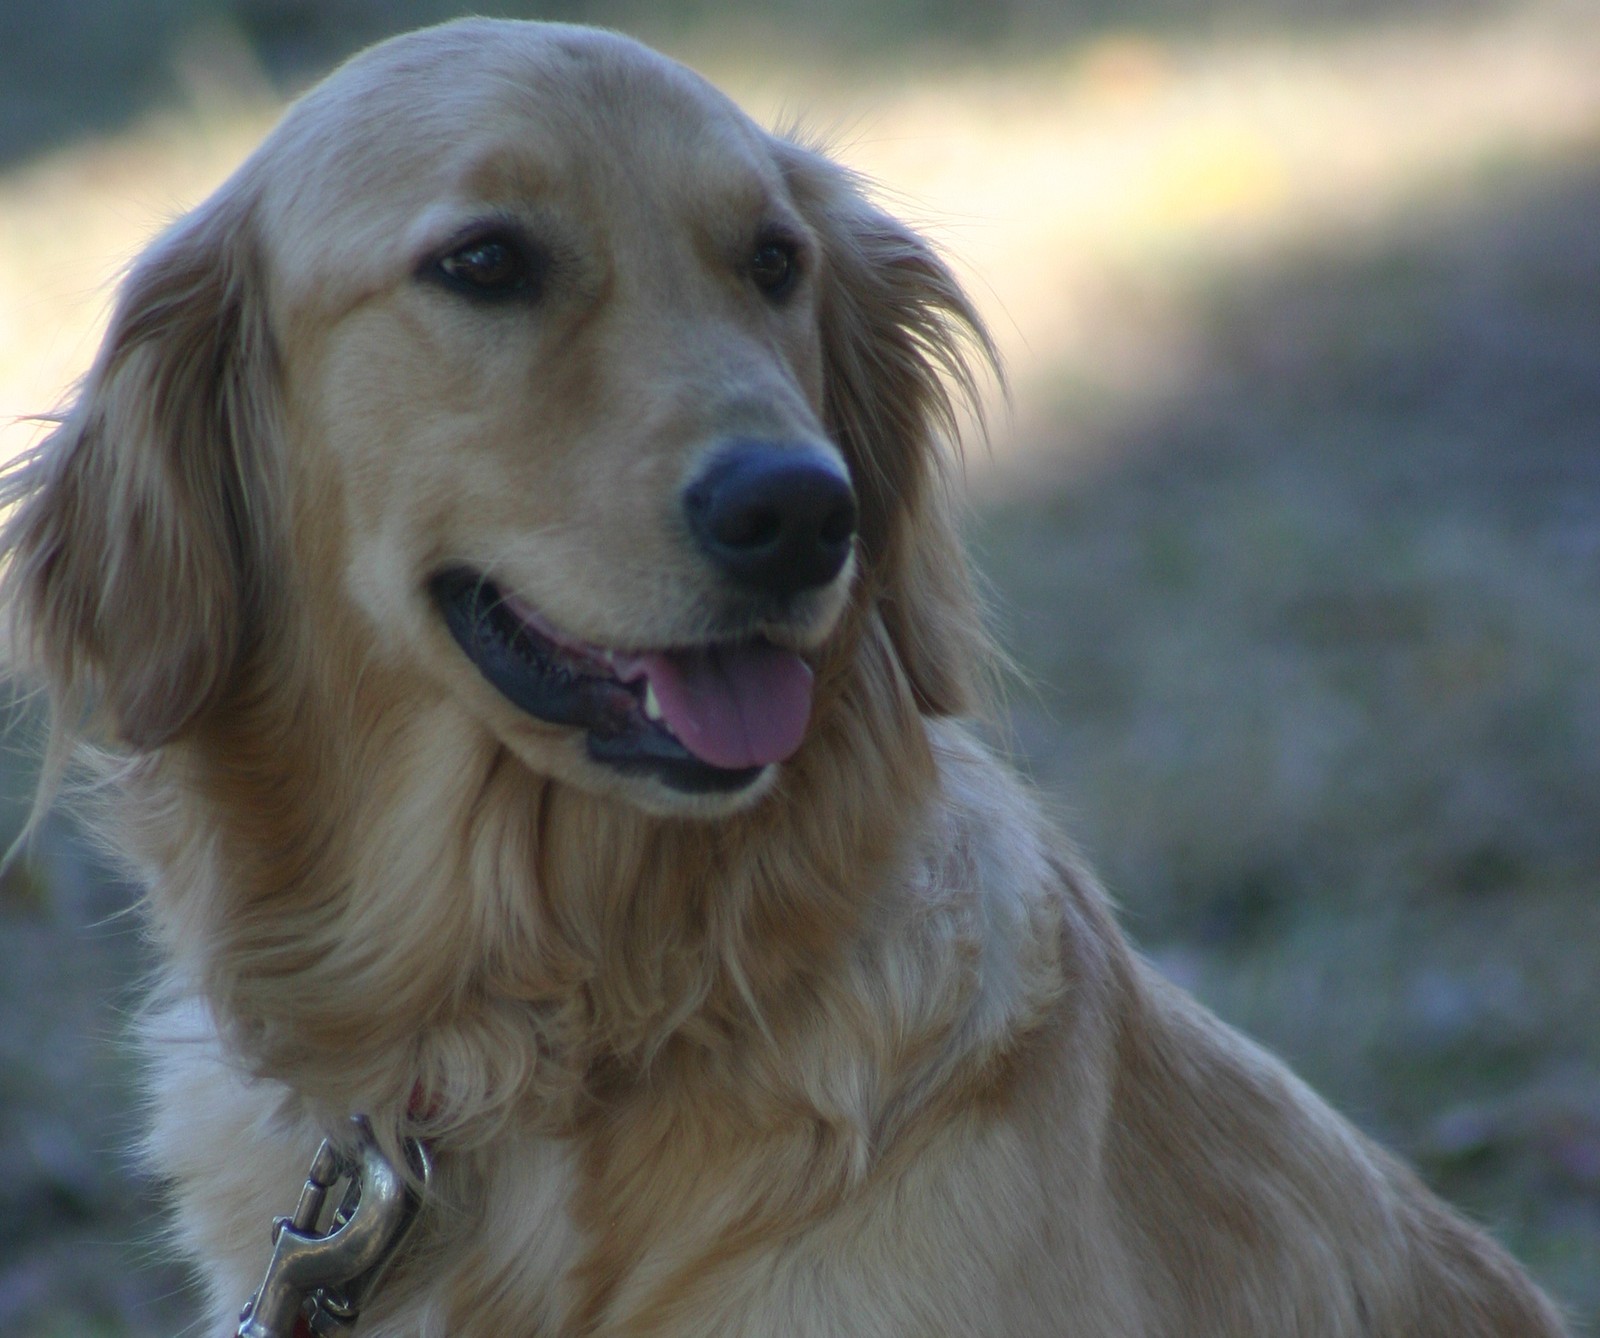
(1315, 642)
(79, 1225)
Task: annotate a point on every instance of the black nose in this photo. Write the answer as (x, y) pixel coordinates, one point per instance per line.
(776, 518)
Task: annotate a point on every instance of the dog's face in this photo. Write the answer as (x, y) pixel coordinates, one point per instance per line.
(565, 378)
(529, 366)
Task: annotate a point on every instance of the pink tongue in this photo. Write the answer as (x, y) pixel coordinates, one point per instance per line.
(733, 706)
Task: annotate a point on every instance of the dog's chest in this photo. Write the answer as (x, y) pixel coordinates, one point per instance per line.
(499, 1253)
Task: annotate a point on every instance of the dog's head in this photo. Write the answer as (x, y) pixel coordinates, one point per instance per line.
(522, 361)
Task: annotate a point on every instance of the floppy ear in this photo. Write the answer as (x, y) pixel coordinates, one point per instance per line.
(138, 541)
(900, 344)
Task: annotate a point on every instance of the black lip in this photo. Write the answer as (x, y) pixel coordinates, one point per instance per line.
(552, 684)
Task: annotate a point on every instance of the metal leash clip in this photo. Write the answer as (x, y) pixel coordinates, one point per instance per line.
(325, 1275)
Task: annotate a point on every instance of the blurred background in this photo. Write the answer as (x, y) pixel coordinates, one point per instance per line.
(1292, 521)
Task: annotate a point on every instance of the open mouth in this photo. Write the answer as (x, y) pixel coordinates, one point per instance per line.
(701, 718)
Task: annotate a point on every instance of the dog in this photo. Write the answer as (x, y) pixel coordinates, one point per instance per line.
(500, 567)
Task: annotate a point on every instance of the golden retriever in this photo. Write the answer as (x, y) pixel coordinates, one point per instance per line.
(502, 547)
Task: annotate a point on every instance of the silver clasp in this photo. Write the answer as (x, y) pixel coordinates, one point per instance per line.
(327, 1273)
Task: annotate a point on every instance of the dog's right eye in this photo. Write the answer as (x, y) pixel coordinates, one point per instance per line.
(492, 265)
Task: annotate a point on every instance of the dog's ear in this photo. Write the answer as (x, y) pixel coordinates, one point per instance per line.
(138, 540)
(902, 347)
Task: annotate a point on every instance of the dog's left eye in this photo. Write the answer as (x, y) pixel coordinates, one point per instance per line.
(775, 266)
(493, 265)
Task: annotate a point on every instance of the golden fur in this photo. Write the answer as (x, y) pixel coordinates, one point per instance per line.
(857, 1051)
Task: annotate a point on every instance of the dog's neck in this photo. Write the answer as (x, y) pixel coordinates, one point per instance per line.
(783, 1001)
(356, 970)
